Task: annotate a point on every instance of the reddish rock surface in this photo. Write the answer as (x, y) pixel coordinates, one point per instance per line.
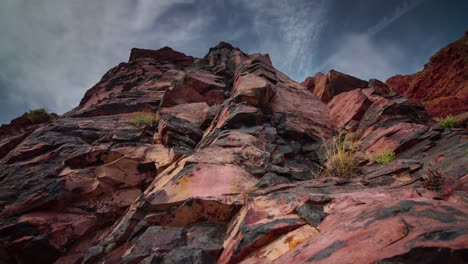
(231, 171)
(164, 54)
(333, 83)
(442, 86)
(310, 82)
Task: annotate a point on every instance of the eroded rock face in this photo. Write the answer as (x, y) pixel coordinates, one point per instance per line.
(443, 84)
(231, 171)
(325, 87)
(164, 54)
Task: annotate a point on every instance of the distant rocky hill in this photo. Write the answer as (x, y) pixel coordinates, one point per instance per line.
(225, 159)
(443, 84)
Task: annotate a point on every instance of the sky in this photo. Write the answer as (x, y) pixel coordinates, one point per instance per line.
(52, 51)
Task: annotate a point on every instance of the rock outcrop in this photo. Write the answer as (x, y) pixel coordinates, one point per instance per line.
(443, 84)
(231, 171)
(325, 87)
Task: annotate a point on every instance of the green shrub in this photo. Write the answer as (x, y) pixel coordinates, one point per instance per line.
(384, 157)
(39, 115)
(448, 122)
(341, 161)
(144, 117)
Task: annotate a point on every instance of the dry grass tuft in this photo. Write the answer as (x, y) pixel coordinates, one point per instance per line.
(341, 161)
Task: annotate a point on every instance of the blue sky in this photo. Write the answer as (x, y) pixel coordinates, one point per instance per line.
(52, 51)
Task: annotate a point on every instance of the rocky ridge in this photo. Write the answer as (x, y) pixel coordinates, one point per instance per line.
(443, 84)
(232, 172)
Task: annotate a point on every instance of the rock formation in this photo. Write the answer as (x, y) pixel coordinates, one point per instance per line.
(443, 84)
(231, 170)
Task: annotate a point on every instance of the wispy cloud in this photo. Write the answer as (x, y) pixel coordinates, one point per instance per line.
(399, 11)
(360, 55)
(52, 51)
(289, 31)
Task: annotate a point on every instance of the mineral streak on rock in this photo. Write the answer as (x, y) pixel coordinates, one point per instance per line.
(230, 170)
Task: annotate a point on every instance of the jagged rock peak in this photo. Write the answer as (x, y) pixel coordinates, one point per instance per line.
(162, 54)
(222, 48)
(224, 45)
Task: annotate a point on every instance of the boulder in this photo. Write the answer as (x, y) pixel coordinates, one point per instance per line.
(334, 83)
(252, 90)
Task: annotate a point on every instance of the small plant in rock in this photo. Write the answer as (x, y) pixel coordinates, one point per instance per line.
(448, 122)
(39, 115)
(432, 181)
(144, 117)
(340, 159)
(384, 156)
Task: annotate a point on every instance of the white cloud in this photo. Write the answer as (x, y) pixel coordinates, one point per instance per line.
(52, 51)
(399, 11)
(361, 57)
(56, 50)
(289, 31)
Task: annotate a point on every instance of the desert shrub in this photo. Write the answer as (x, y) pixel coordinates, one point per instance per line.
(144, 117)
(432, 181)
(448, 122)
(39, 115)
(384, 156)
(340, 159)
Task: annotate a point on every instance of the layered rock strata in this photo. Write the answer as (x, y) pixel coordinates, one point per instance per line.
(232, 171)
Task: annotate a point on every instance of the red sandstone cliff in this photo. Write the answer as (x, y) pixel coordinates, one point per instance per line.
(443, 84)
(230, 171)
